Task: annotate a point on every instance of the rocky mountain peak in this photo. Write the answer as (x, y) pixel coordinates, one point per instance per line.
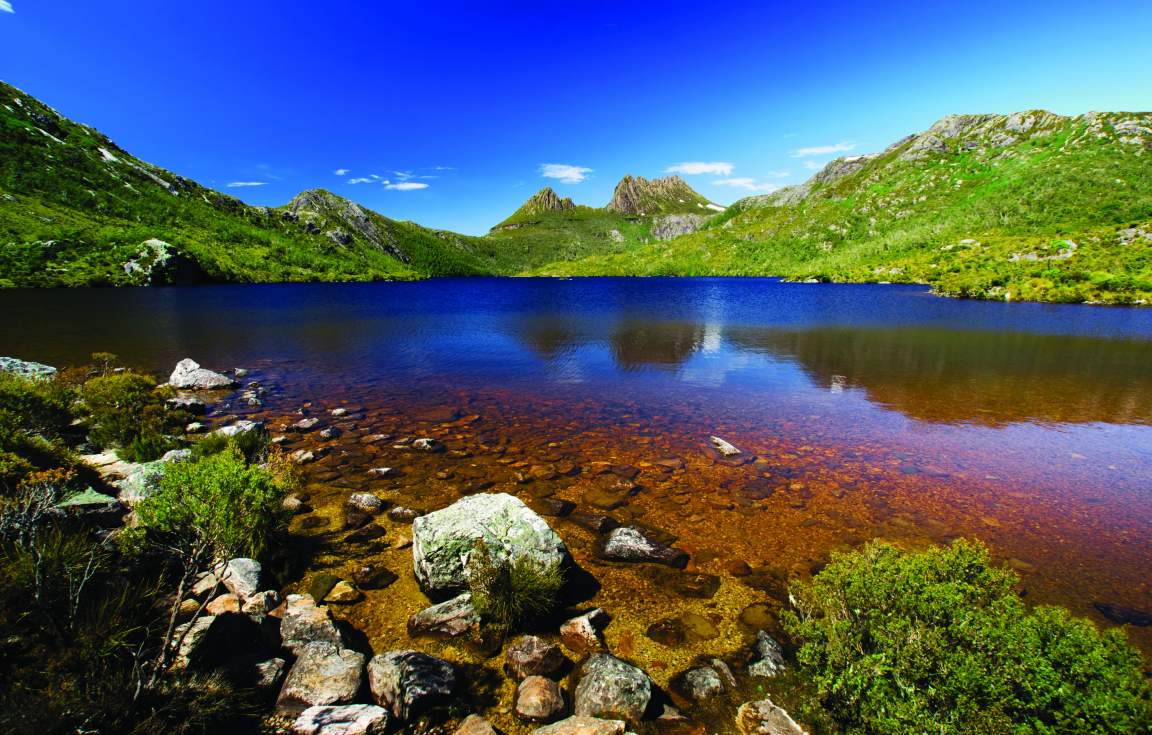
(636, 195)
(546, 200)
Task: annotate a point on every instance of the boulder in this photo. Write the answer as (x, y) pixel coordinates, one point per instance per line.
(240, 427)
(344, 593)
(443, 540)
(582, 726)
(630, 544)
(306, 622)
(365, 503)
(765, 718)
(581, 634)
(769, 657)
(400, 514)
(705, 682)
(324, 673)
(241, 576)
(261, 603)
(176, 456)
(453, 618)
(427, 444)
(611, 688)
(344, 719)
(189, 375)
(725, 449)
(539, 699)
(531, 655)
(25, 368)
(140, 481)
(409, 682)
(226, 603)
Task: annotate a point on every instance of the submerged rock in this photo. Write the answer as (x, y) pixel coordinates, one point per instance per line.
(612, 688)
(631, 544)
(453, 618)
(409, 683)
(345, 719)
(723, 447)
(443, 540)
(189, 375)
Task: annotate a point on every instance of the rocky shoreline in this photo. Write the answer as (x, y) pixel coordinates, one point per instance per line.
(320, 674)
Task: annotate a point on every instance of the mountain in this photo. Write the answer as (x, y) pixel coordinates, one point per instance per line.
(1030, 205)
(547, 228)
(76, 209)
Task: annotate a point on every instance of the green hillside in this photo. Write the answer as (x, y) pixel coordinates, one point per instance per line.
(77, 210)
(1025, 206)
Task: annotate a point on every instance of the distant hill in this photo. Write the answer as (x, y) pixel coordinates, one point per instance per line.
(77, 210)
(1030, 205)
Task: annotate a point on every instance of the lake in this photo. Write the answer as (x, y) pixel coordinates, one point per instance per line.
(863, 412)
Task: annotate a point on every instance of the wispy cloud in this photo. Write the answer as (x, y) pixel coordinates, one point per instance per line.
(693, 168)
(342, 171)
(6, 7)
(360, 180)
(238, 184)
(813, 165)
(564, 172)
(406, 186)
(746, 183)
(822, 150)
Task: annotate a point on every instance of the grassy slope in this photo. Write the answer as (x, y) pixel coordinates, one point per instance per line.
(526, 242)
(977, 218)
(72, 215)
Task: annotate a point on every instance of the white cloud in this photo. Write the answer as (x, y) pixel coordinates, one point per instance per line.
(342, 171)
(6, 7)
(564, 172)
(239, 184)
(406, 186)
(822, 150)
(692, 168)
(746, 183)
(813, 165)
(360, 180)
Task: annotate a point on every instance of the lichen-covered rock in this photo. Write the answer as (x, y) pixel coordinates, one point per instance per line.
(25, 368)
(765, 718)
(344, 719)
(323, 674)
(409, 682)
(582, 726)
(140, 481)
(531, 655)
(189, 375)
(455, 617)
(443, 540)
(539, 699)
(631, 544)
(611, 688)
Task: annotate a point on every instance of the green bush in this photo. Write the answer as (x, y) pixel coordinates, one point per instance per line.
(512, 592)
(34, 414)
(939, 642)
(220, 499)
(127, 411)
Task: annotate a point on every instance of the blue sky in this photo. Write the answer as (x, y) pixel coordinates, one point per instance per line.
(452, 113)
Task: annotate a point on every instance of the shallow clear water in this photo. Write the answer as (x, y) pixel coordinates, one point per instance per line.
(872, 411)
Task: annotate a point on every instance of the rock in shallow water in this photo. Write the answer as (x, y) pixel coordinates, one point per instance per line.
(582, 633)
(323, 674)
(443, 540)
(769, 657)
(612, 688)
(630, 544)
(765, 718)
(539, 699)
(409, 682)
(531, 655)
(583, 726)
(189, 375)
(347, 719)
(306, 622)
(453, 618)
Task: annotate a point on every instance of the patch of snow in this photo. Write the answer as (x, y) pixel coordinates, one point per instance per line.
(715, 207)
(53, 137)
(19, 102)
(107, 156)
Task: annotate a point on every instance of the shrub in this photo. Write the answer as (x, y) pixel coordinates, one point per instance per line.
(512, 592)
(127, 411)
(34, 414)
(939, 642)
(222, 500)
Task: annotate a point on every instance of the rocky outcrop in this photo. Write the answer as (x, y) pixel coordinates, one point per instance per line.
(408, 683)
(190, 376)
(158, 263)
(637, 196)
(610, 688)
(347, 719)
(442, 541)
(675, 225)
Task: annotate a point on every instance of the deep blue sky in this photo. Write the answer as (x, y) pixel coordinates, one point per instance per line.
(479, 95)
